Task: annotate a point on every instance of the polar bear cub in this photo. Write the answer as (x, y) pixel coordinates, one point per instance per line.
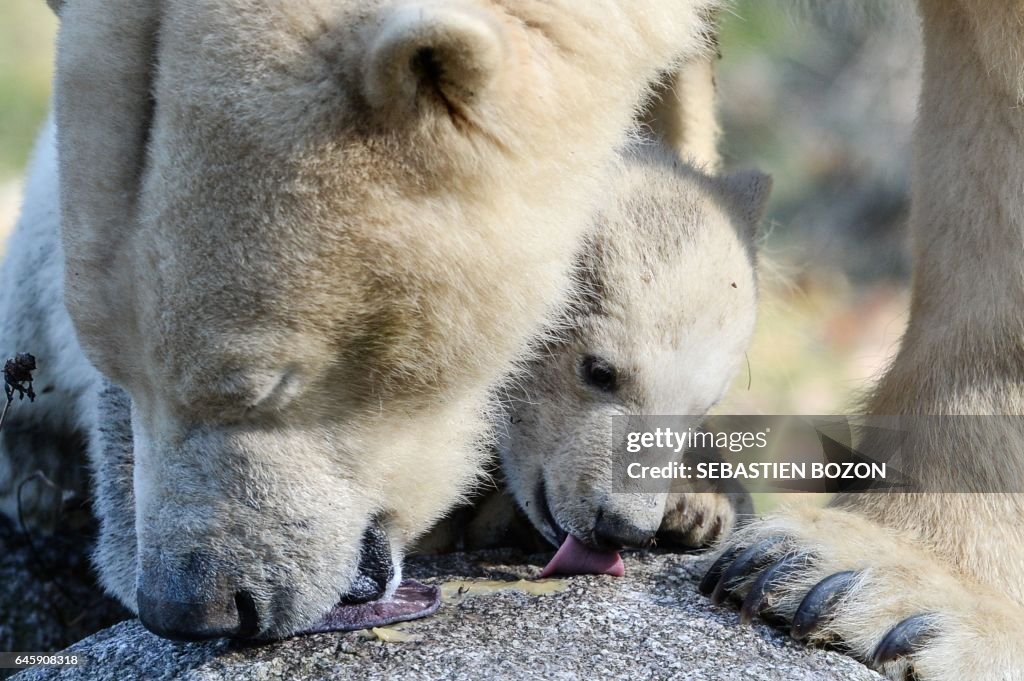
(667, 311)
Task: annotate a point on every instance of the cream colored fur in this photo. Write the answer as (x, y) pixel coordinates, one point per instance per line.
(170, 214)
(668, 284)
(683, 111)
(669, 306)
(959, 557)
(307, 238)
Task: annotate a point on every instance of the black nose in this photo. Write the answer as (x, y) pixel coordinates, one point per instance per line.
(195, 600)
(375, 567)
(613, 532)
(232, 617)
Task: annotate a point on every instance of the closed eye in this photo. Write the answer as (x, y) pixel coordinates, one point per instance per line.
(277, 393)
(249, 393)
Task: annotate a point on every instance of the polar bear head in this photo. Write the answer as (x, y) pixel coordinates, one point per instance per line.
(288, 227)
(667, 312)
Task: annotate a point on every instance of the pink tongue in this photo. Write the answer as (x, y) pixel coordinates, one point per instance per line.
(574, 558)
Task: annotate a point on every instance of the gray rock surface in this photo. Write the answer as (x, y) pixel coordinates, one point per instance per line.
(650, 624)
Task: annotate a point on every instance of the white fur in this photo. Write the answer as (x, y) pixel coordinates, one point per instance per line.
(956, 556)
(46, 435)
(669, 303)
(298, 207)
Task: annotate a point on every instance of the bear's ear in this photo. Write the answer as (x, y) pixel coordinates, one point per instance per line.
(450, 52)
(55, 5)
(749, 191)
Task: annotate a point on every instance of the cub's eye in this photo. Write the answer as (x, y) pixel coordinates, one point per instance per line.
(599, 373)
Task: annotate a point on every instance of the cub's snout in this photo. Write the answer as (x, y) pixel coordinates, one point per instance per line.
(614, 531)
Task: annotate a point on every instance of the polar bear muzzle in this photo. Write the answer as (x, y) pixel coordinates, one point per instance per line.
(199, 602)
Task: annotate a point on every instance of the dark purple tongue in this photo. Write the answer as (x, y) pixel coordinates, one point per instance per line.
(411, 601)
(576, 558)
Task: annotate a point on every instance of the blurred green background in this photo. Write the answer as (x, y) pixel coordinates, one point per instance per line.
(823, 103)
(26, 54)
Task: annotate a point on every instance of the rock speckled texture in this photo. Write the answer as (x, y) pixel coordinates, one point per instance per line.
(651, 624)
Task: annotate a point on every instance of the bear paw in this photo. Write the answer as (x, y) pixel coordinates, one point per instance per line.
(697, 519)
(835, 578)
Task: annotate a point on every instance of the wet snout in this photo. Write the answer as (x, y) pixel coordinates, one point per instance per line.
(584, 500)
(200, 599)
(195, 601)
(606, 520)
(614, 531)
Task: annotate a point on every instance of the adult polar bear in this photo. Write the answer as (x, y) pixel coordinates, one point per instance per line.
(955, 558)
(307, 238)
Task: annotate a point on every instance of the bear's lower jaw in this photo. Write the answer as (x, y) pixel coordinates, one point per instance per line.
(411, 600)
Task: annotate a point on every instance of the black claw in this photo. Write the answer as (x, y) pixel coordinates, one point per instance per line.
(819, 602)
(751, 560)
(905, 638)
(768, 582)
(714, 573)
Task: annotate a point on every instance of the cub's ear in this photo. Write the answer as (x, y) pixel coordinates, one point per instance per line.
(748, 191)
(56, 5)
(451, 52)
